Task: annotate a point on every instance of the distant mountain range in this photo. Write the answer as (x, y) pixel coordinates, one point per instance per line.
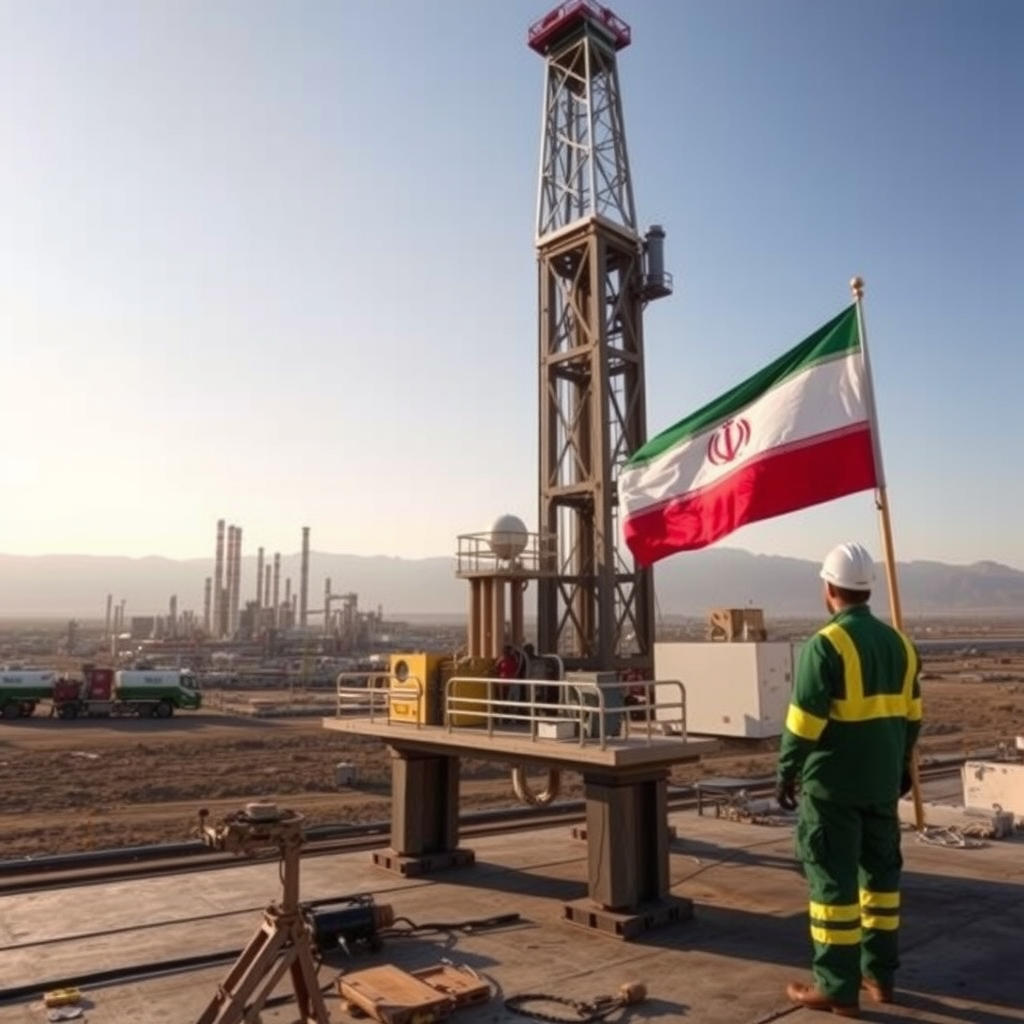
(65, 586)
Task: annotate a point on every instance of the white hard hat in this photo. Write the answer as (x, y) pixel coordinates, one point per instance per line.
(849, 566)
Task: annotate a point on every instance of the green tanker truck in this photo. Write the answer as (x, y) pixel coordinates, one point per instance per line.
(22, 689)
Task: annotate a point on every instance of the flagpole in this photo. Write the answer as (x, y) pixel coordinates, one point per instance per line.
(882, 504)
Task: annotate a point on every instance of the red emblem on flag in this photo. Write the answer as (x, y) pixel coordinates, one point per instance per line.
(728, 441)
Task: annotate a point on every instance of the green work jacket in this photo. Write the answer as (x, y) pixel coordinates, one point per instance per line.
(855, 712)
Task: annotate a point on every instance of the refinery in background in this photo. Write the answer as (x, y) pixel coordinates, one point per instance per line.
(272, 633)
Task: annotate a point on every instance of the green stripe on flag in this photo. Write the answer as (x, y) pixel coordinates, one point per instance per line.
(837, 339)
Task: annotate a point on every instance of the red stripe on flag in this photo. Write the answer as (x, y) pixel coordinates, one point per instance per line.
(782, 482)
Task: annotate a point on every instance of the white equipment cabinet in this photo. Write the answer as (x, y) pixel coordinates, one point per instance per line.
(732, 689)
(991, 784)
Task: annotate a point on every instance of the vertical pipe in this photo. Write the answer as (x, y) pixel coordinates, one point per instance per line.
(259, 579)
(207, 595)
(304, 579)
(276, 595)
(497, 616)
(172, 615)
(287, 623)
(110, 612)
(228, 588)
(218, 582)
(518, 588)
(266, 592)
(238, 578)
(473, 632)
(487, 620)
(327, 606)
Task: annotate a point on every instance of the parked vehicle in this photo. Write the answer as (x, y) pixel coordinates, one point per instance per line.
(100, 692)
(145, 693)
(22, 689)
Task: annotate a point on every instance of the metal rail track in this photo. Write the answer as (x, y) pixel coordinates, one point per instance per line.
(77, 870)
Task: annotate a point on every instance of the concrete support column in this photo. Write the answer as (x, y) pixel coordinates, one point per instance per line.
(424, 803)
(424, 814)
(627, 838)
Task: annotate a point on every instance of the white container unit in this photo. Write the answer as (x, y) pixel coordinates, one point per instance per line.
(994, 784)
(732, 689)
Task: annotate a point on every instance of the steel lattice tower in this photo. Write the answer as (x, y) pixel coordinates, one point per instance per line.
(596, 273)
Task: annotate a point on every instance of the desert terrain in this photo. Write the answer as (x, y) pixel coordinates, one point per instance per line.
(93, 784)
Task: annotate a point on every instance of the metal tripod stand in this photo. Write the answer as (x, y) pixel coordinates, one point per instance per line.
(282, 942)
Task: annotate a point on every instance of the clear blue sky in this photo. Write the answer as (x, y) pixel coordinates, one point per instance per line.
(273, 261)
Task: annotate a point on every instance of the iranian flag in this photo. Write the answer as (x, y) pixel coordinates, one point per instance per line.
(797, 433)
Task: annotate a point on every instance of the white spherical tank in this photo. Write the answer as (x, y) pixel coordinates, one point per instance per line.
(507, 537)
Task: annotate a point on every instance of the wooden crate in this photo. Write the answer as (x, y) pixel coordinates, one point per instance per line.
(393, 996)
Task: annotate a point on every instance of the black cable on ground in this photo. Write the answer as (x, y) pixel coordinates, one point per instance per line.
(582, 1011)
(480, 924)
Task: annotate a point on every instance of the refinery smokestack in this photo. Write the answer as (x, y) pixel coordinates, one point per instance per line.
(172, 614)
(230, 569)
(304, 579)
(218, 584)
(236, 581)
(266, 587)
(225, 606)
(110, 612)
(288, 623)
(207, 591)
(259, 579)
(276, 593)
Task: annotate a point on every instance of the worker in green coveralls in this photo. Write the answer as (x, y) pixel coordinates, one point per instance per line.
(853, 719)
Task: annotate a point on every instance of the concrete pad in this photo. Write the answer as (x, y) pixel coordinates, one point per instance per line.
(962, 931)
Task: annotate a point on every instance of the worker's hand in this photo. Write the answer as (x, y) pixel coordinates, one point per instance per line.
(785, 794)
(906, 781)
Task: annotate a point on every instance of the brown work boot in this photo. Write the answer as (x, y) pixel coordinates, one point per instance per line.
(809, 997)
(879, 993)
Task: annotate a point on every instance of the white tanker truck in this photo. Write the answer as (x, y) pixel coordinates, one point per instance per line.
(101, 692)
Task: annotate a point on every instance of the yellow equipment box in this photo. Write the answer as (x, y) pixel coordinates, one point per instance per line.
(418, 683)
(469, 714)
(416, 693)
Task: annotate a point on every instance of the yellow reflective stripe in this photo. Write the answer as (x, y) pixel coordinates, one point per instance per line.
(916, 711)
(804, 724)
(881, 922)
(829, 912)
(855, 707)
(879, 900)
(889, 705)
(835, 936)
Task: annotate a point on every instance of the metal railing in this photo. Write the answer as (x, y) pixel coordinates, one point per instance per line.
(587, 713)
(379, 690)
(556, 709)
(483, 553)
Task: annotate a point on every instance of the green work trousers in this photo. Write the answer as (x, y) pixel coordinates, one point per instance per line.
(852, 860)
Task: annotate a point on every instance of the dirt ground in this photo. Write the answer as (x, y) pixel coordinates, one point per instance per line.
(79, 785)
